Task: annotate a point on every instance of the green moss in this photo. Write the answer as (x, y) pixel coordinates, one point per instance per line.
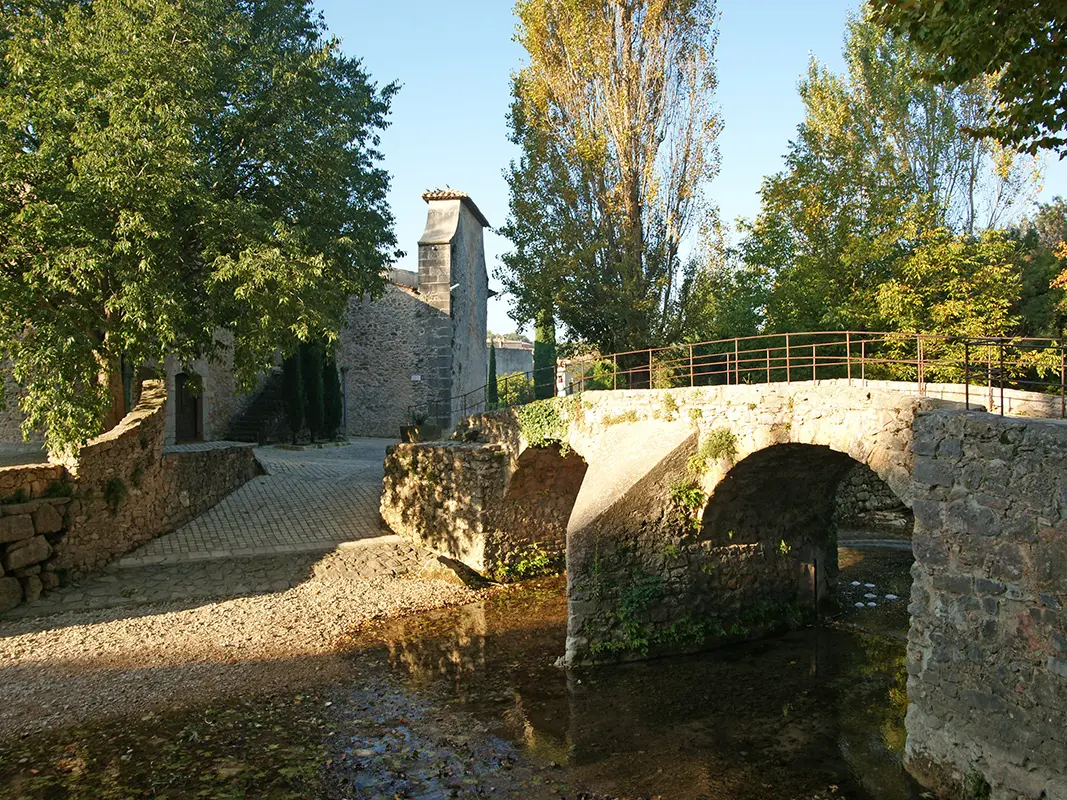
(695, 415)
(719, 444)
(670, 406)
(546, 422)
(530, 563)
(18, 497)
(114, 493)
(625, 416)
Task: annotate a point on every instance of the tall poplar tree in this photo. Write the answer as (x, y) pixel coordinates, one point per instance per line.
(616, 125)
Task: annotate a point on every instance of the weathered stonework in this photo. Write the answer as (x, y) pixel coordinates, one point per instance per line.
(663, 554)
(119, 491)
(987, 650)
(471, 502)
(865, 501)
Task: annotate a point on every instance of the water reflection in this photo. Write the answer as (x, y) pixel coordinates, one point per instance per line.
(814, 714)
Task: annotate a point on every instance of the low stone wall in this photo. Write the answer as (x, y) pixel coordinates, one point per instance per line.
(864, 501)
(471, 502)
(118, 492)
(987, 650)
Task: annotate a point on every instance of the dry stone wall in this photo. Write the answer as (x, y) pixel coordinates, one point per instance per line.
(59, 521)
(987, 650)
(864, 501)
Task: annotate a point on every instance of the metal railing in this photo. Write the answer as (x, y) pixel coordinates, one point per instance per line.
(985, 366)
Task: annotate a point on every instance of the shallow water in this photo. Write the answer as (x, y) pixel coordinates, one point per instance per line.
(817, 713)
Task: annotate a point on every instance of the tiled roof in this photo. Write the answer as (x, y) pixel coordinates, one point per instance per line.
(452, 194)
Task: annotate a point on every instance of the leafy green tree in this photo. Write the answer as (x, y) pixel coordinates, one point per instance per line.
(544, 357)
(333, 399)
(492, 395)
(514, 389)
(616, 129)
(1017, 45)
(169, 170)
(311, 369)
(879, 161)
(293, 392)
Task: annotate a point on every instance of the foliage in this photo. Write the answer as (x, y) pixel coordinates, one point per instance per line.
(878, 163)
(293, 391)
(492, 392)
(514, 389)
(544, 360)
(1017, 46)
(332, 399)
(670, 406)
(616, 128)
(670, 368)
(531, 563)
(544, 422)
(169, 170)
(717, 445)
(688, 499)
(600, 375)
(623, 416)
(115, 492)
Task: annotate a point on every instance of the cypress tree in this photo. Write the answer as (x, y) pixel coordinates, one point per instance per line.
(311, 368)
(333, 400)
(492, 395)
(293, 390)
(544, 365)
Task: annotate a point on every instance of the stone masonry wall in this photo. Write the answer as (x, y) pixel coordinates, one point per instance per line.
(865, 501)
(383, 346)
(987, 650)
(468, 501)
(122, 489)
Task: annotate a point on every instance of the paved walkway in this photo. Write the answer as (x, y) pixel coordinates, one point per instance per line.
(268, 536)
(309, 501)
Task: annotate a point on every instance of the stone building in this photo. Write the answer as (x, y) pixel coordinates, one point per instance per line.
(422, 343)
(513, 355)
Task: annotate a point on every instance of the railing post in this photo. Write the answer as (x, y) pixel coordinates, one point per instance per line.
(691, 378)
(768, 365)
(813, 357)
(788, 375)
(614, 372)
(863, 361)
(1001, 369)
(966, 375)
(737, 363)
(650, 386)
(848, 356)
(922, 366)
(1063, 385)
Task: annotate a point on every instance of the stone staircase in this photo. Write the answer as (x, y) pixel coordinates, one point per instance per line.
(263, 419)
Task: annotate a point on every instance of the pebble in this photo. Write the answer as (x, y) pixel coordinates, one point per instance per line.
(859, 605)
(870, 596)
(869, 585)
(891, 597)
(872, 605)
(856, 583)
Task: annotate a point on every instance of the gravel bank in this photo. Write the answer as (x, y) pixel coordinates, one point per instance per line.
(67, 669)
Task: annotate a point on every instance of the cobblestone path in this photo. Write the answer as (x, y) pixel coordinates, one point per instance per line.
(266, 537)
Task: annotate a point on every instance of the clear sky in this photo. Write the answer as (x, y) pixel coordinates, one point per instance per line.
(454, 61)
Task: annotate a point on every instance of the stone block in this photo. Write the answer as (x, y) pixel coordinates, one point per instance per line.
(1057, 666)
(31, 588)
(10, 593)
(930, 472)
(49, 581)
(1056, 789)
(13, 529)
(47, 520)
(27, 552)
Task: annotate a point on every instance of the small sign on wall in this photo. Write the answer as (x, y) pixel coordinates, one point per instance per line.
(416, 378)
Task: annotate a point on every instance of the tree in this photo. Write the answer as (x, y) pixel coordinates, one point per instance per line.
(879, 161)
(492, 395)
(1018, 45)
(169, 170)
(333, 399)
(311, 369)
(293, 392)
(544, 357)
(616, 127)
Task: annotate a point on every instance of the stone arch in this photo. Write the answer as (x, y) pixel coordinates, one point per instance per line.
(768, 526)
(531, 520)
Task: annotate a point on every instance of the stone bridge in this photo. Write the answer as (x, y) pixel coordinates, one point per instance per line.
(695, 516)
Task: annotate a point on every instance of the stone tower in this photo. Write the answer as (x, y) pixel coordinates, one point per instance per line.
(453, 280)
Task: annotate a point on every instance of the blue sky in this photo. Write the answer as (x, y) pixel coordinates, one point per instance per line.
(454, 61)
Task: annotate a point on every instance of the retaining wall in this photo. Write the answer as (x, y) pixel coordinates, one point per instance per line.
(987, 649)
(121, 490)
